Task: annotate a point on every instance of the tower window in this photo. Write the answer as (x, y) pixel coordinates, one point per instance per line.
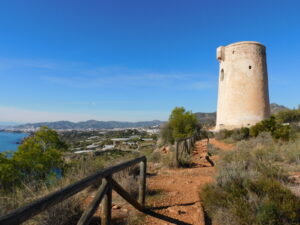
(232, 52)
(222, 75)
(250, 67)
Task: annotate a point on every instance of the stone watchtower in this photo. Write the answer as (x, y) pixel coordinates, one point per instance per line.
(243, 98)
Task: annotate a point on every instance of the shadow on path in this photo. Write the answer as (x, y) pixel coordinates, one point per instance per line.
(207, 219)
(165, 218)
(168, 206)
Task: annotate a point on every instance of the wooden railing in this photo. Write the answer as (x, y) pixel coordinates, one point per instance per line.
(104, 194)
(185, 146)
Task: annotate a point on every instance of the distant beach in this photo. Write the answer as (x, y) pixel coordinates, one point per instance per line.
(10, 141)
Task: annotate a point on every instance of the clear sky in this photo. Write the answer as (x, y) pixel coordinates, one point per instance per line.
(135, 59)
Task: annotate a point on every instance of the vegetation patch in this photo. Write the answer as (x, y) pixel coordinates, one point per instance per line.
(253, 185)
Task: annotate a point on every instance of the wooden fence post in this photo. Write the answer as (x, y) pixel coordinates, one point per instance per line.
(142, 184)
(91, 209)
(107, 202)
(177, 154)
(188, 146)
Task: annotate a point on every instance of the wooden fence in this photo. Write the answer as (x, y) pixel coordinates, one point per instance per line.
(185, 146)
(104, 195)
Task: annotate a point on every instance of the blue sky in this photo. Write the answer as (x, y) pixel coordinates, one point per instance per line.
(136, 59)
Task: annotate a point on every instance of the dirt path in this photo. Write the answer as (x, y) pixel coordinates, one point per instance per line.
(181, 200)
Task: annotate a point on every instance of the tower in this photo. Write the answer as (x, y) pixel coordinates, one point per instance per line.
(243, 95)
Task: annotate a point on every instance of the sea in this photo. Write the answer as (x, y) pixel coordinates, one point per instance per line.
(9, 141)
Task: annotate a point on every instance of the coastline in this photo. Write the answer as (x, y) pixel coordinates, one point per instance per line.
(9, 141)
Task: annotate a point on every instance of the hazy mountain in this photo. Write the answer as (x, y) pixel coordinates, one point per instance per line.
(206, 118)
(275, 108)
(94, 124)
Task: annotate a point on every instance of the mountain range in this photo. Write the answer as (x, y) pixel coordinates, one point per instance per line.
(204, 118)
(94, 124)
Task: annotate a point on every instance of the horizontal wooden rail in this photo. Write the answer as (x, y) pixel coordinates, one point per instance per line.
(26, 212)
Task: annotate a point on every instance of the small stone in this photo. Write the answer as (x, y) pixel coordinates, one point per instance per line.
(125, 210)
(116, 207)
(180, 212)
(171, 210)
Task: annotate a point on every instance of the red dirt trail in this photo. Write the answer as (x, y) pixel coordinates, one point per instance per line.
(181, 200)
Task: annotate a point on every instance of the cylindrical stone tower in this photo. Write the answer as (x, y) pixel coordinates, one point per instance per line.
(243, 98)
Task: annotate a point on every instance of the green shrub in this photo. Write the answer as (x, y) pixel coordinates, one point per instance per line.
(288, 116)
(277, 130)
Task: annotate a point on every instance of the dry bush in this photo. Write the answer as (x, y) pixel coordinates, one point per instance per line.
(253, 186)
(223, 134)
(212, 150)
(67, 212)
(155, 157)
(128, 179)
(168, 159)
(233, 135)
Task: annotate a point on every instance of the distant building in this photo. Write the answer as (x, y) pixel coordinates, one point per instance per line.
(108, 147)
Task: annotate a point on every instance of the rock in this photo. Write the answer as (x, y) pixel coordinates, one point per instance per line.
(116, 207)
(171, 210)
(180, 212)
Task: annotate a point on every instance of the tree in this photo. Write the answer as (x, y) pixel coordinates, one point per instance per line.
(40, 153)
(35, 159)
(181, 124)
(9, 175)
